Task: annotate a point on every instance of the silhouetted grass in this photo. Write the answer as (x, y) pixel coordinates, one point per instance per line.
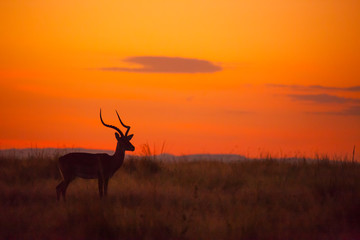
(152, 199)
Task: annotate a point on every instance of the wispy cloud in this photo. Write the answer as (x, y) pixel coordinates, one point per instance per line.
(354, 110)
(350, 111)
(322, 98)
(158, 64)
(318, 95)
(315, 87)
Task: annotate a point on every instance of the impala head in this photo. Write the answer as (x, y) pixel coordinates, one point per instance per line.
(123, 141)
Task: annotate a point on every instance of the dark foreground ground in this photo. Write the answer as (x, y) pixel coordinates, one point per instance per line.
(253, 199)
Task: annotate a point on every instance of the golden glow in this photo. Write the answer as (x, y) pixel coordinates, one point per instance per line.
(52, 86)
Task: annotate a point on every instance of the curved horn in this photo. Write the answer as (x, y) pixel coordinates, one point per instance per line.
(110, 126)
(128, 127)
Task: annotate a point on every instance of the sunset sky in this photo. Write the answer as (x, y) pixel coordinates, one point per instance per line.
(214, 76)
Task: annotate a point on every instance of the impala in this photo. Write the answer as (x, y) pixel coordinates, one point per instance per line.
(91, 166)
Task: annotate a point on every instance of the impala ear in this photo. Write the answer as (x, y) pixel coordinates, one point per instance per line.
(130, 137)
(117, 136)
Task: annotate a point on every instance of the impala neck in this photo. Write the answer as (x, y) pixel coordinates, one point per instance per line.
(119, 153)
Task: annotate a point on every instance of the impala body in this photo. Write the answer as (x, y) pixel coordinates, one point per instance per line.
(91, 166)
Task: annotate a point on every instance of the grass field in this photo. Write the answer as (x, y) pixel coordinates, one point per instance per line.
(251, 199)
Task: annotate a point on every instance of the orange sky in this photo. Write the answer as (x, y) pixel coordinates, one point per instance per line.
(244, 77)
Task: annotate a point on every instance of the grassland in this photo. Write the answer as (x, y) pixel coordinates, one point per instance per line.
(252, 199)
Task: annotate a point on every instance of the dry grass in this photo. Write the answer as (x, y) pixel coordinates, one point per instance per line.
(254, 199)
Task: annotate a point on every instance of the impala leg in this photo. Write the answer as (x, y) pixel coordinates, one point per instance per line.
(66, 184)
(101, 186)
(106, 181)
(59, 189)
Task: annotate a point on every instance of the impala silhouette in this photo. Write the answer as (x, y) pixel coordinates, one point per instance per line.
(91, 166)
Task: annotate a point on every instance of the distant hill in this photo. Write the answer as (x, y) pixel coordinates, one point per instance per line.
(51, 152)
(200, 157)
(213, 157)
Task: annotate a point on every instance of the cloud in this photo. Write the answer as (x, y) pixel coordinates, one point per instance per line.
(157, 64)
(353, 110)
(347, 102)
(315, 87)
(322, 98)
(350, 111)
